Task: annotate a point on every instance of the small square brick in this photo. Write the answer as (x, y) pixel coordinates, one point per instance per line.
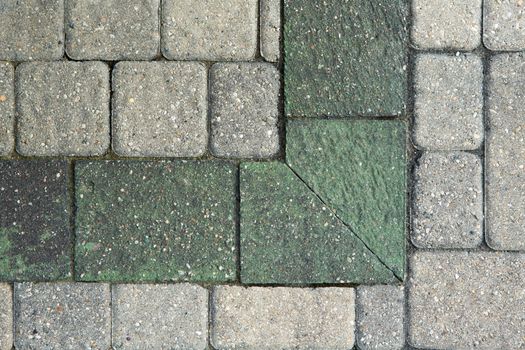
(160, 109)
(168, 316)
(31, 30)
(270, 29)
(34, 221)
(244, 105)
(7, 108)
(454, 25)
(209, 30)
(6, 317)
(62, 316)
(380, 317)
(63, 108)
(282, 318)
(112, 29)
(504, 24)
(448, 102)
(448, 203)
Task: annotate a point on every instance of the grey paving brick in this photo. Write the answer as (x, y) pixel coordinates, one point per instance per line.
(31, 30)
(168, 316)
(6, 317)
(504, 24)
(62, 316)
(270, 31)
(112, 29)
(380, 317)
(282, 318)
(448, 102)
(462, 300)
(209, 30)
(63, 108)
(244, 105)
(160, 109)
(448, 201)
(455, 25)
(505, 153)
(7, 108)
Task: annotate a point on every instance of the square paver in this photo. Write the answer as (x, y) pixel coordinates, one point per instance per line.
(270, 29)
(7, 108)
(209, 30)
(31, 30)
(345, 58)
(448, 201)
(244, 108)
(112, 29)
(504, 25)
(6, 317)
(162, 316)
(160, 109)
(34, 220)
(155, 221)
(456, 25)
(62, 316)
(63, 108)
(448, 102)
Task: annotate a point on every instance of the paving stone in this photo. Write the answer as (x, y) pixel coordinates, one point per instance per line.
(7, 108)
(6, 317)
(270, 30)
(448, 102)
(63, 108)
(505, 153)
(31, 30)
(155, 221)
(345, 57)
(282, 318)
(454, 26)
(288, 235)
(62, 316)
(380, 315)
(167, 316)
(504, 24)
(467, 300)
(358, 169)
(112, 30)
(209, 30)
(244, 101)
(34, 220)
(160, 109)
(448, 201)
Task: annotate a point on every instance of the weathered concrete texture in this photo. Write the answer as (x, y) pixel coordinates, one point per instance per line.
(63, 108)
(448, 201)
(6, 317)
(112, 29)
(358, 169)
(456, 25)
(505, 153)
(167, 316)
(31, 30)
(504, 24)
(380, 318)
(345, 57)
(282, 318)
(155, 221)
(62, 316)
(209, 30)
(270, 31)
(34, 220)
(244, 105)
(448, 102)
(462, 300)
(7, 108)
(160, 109)
(290, 236)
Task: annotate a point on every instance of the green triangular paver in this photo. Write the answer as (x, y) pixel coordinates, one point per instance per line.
(359, 169)
(289, 236)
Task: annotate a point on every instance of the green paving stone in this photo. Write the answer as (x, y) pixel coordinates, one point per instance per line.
(345, 57)
(359, 169)
(289, 236)
(155, 221)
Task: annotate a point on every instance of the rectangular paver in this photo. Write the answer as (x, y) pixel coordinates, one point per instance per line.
(282, 318)
(6, 317)
(270, 29)
(504, 25)
(7, 108)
